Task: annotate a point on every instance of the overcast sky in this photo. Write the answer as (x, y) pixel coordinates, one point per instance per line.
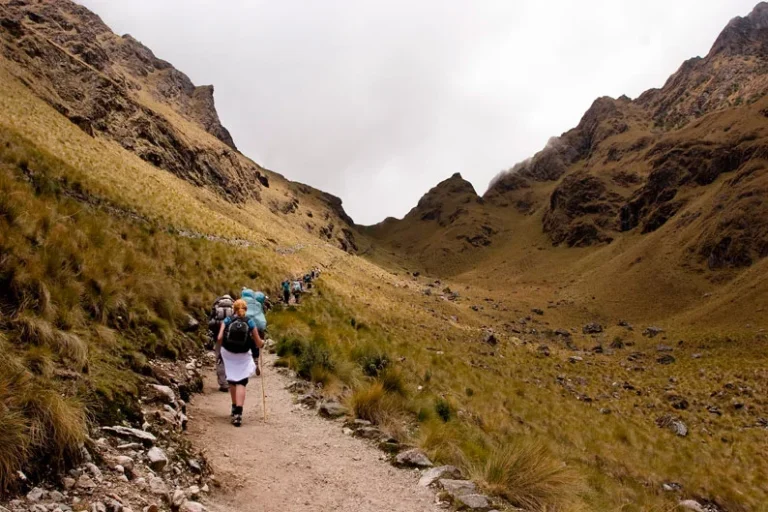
(376, 101)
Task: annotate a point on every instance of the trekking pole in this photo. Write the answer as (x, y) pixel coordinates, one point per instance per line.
(263, 392)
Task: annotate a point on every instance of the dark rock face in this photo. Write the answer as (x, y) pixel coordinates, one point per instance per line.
(82, 35)
(745, 35)
(581, 211)
(603, 119)
(443, 203)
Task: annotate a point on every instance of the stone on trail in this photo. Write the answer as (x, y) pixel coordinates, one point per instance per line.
(192, 506)
(94, 470)
(157, 459)
(145, 437)
(36, 495)
(433, 475)
(125, 461)
(165, 393)
(474, 502)
(85, 482)
(368, 433)
(157, 486)
(413, 458)
(457, 488)
(194, 466)
(56, 497)
(178, 499)
(332, 409)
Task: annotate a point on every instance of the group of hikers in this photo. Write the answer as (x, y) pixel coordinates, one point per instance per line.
(237, 330)
(298, 285)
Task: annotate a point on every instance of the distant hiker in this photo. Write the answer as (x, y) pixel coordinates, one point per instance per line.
(286, 290)
(296, 289)
(222, 308)
(255, 302)
(238, 341)
(307, 281)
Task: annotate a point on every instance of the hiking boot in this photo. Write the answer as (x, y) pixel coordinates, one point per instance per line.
(232, 411)
(237, 419)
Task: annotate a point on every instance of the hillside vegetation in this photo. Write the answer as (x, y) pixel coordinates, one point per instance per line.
(484, 362)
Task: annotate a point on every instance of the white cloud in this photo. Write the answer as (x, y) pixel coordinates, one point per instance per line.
(379, 101)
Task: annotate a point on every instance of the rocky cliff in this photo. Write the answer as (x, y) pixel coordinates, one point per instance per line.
(691, 153)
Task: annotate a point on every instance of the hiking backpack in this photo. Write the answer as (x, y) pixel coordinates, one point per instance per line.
(236, 339)
(222, 308)
(296, 286)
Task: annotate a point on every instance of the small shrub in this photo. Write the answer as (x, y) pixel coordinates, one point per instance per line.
(443, 409)
(316, 357)
(372, 362)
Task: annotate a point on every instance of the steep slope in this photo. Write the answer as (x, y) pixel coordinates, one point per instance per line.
(115, 88)
(688, 160)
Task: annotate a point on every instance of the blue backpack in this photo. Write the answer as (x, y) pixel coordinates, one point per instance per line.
(255, 302)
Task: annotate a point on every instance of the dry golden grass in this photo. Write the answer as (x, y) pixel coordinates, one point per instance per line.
(526, 475)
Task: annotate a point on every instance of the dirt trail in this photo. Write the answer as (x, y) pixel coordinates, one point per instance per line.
(297, 461)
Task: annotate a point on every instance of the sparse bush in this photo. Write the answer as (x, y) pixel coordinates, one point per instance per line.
(524, 473)
(443, 409)
(314, 357)
(371, 361)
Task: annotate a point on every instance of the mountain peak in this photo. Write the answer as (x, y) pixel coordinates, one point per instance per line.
(745, 34)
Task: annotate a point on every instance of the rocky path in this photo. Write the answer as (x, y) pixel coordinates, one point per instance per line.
(296, 461)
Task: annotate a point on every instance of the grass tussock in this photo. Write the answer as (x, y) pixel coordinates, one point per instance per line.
(527, 475)
(374, 403)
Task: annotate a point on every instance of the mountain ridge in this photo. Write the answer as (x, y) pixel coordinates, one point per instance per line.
(635, 165)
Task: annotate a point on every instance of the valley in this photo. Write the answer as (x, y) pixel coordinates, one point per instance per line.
(590, 333)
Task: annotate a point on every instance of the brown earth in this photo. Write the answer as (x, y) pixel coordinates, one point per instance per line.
(295, 461)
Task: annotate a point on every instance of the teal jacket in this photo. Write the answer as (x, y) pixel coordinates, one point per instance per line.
(255, 302)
